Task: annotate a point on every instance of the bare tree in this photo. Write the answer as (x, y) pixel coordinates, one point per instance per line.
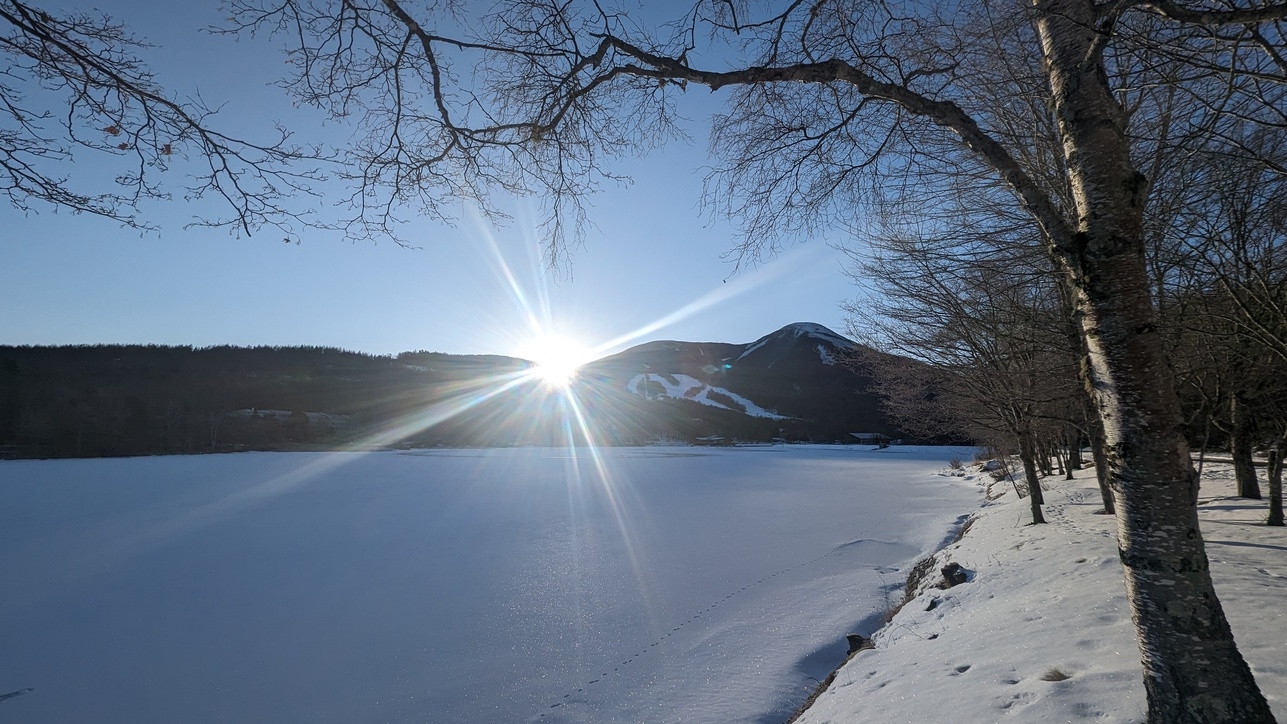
(968, 293)
(75, 84)
(1224, 290)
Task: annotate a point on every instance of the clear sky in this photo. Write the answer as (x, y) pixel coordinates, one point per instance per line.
(652, 267)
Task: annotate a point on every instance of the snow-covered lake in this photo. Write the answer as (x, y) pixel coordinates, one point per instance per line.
(657, 584)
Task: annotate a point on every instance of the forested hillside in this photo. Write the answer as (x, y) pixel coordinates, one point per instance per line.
(109, 400)
(135, 400)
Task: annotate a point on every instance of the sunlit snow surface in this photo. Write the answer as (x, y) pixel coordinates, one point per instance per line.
(664, 585)
(1051, 598)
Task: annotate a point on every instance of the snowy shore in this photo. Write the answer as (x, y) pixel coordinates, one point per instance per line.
(1042, 630)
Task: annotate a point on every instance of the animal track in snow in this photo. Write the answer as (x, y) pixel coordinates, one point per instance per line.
(1023, 698)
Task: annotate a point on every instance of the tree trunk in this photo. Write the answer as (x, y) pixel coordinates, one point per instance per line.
(1276, 455)
(1193, 671)
(214, 418)
(1072, 438)
(1037, 493)
(1028, 455)
(1100, 456)
(1240, 444)
(1206, 439)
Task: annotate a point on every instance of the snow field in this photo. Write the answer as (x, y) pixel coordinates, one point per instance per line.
(1049, 601)
(538, 585)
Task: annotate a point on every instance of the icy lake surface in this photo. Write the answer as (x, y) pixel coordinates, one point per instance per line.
(652, 585)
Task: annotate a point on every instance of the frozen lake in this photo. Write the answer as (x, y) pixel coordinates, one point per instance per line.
(651, 585)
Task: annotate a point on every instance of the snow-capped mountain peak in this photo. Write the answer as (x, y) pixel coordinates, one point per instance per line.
(788, 336)
(791, 384)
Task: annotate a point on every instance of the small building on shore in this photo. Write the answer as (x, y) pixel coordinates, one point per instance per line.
(871, 438)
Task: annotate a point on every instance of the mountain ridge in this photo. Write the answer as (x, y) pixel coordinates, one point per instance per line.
(795, 375)
(108, 400)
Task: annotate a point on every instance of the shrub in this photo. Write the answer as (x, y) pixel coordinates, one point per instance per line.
(984, 454)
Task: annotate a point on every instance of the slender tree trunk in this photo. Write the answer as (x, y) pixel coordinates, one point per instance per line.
(1244, 468)
(1072, 437)
(1030, 454)
(1037, 492)
(1206, 439)
(1100, 456)
(214, 419)
(1027, 453)
(1276, 455)
(1193, 672)
(1076, 338)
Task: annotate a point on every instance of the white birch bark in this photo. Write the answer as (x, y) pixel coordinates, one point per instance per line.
(1193, 671)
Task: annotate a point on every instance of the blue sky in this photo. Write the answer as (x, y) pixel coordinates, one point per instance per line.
(652, 267)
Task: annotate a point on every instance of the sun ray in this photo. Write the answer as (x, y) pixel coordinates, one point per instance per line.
(722, 294)
(557, 358)
(611, 489)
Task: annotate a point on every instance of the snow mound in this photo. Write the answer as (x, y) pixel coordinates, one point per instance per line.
(684, 387)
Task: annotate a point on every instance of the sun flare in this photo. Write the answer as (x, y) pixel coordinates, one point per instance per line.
(557, 360)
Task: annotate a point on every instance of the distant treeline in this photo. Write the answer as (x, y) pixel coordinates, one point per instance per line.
(136, 400)
(113, 400)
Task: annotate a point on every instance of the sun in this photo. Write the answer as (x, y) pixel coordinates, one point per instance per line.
(557, 360)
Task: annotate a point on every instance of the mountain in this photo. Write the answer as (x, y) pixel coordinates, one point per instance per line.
(792, 384)
(88, 401)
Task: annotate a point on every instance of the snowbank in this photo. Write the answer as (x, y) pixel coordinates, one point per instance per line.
(1042, 630)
